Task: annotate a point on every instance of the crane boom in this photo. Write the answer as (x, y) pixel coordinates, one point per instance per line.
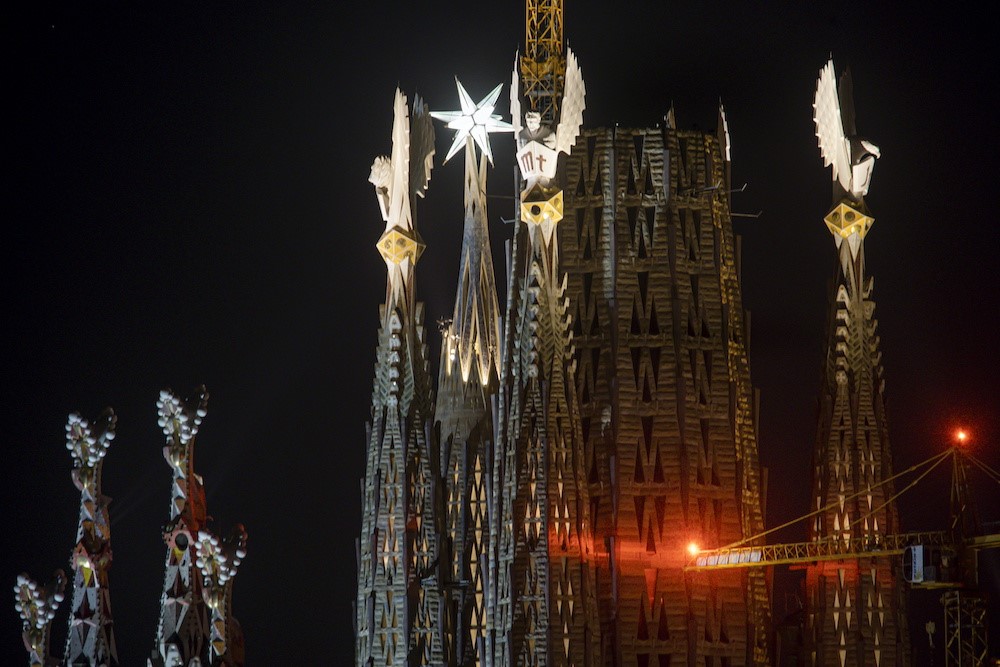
(808, 552)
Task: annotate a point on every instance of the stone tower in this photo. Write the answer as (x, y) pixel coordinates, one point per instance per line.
(855, 613)
(668, 413)
(467, 386)
(545, 602)
(399, 600)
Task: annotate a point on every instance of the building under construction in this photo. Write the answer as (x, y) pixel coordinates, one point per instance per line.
(540, 511)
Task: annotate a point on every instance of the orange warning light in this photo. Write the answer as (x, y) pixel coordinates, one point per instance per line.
(693, 549)
(961, 436)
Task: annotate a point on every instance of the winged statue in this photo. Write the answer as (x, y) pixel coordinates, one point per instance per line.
(852, 157)
(407, 170)
(549, 142)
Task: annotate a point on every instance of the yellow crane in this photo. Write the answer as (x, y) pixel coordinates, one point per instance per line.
(946, 559)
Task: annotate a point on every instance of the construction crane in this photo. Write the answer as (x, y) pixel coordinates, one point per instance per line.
(946, 559)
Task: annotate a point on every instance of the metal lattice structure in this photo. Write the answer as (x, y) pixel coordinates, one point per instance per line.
(543, 65)
(855, 609)
(965, 628)
(398, 608)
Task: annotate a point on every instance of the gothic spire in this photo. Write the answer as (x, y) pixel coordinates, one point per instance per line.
(91, 639)
(398, 603)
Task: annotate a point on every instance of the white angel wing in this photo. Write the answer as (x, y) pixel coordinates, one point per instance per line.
(573, 103)
(398, 208)
(515, 99)
(833, 145)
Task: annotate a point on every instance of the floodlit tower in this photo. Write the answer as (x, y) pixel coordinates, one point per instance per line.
(545, 605)
(855, 608)
(196, 627)
(91, 640)
(398, 604)
(467, 386)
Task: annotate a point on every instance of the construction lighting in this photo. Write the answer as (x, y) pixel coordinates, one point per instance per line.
(693, 549)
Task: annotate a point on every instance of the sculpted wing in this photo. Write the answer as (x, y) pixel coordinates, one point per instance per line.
(846, 93)
(421, 147)
(515, 99)
(573, 103)
(833, 145)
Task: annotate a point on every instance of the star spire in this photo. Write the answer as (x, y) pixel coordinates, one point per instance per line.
(474, 120)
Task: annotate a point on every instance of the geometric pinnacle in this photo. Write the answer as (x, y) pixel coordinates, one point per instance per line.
(89, 446)
(399, 244)
(177, 418)
(848, 218)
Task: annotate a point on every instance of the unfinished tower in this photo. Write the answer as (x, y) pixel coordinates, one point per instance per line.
(663, 380)
(855, 611)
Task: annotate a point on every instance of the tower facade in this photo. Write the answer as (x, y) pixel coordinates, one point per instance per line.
(609, 426)
(467, 387)
(667, 409)
(398, 608)
(855, 612)
(546, 610)
(90, 640)
(196, 624)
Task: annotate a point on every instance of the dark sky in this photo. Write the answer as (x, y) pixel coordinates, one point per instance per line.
(188, 203)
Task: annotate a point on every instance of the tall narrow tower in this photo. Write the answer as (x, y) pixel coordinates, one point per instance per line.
(467, 390)
(91, 639)
(546, 612)
(196, 624)
(855, 611)
(467, 383)
(399, 597)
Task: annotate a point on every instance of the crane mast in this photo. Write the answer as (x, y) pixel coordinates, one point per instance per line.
(543, 65)
(946, 559)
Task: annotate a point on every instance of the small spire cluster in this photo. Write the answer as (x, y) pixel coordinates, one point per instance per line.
(196, 624)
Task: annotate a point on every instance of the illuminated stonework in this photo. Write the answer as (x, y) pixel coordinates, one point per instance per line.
(398, 245)
(196, 625)
(575, 455)
(855, 609)
(541, 204)
(398, 615)
(847, 218)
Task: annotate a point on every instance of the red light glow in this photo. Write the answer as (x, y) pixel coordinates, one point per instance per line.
(693, 549)
(961, 436)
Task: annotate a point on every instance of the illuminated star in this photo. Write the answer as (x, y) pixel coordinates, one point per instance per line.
(475, 120)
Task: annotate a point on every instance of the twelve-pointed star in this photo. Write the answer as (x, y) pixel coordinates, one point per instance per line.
(475, 120)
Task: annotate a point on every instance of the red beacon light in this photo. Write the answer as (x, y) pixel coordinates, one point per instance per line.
(961, 437)
(693, 549)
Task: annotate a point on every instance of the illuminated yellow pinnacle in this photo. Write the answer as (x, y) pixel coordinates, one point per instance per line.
(540, 204)
(847, 218)
(398, 244)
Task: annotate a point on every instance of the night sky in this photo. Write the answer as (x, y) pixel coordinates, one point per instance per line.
(188, 203)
